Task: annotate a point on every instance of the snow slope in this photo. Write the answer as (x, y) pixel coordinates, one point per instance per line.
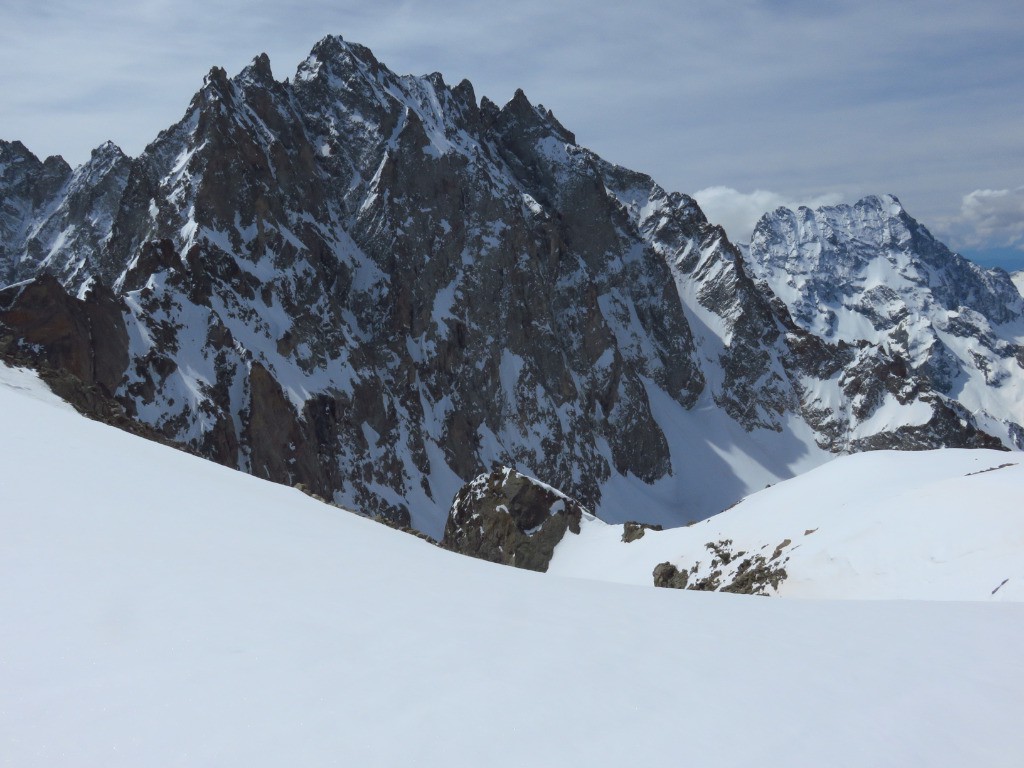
(159, 610)
(926, 525)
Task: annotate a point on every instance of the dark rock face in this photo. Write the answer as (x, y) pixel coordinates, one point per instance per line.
(379, 287)
(28, 190)
(509, 518)
(87, 338)
(668, 576)
(53, 219)
(78, 346)
(632, 531)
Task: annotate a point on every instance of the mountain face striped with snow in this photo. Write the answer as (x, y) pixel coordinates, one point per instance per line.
(53, 218)
(380, 286)
(871, 274)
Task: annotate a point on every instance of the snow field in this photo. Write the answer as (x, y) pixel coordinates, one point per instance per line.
(927, 525)
(160, 610)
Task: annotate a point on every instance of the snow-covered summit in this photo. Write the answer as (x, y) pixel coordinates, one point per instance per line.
(870, 273)
(837, 261)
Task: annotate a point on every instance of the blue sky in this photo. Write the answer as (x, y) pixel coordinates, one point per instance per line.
(747, 105)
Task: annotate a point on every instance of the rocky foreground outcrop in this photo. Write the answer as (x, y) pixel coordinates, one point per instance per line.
(509, 518)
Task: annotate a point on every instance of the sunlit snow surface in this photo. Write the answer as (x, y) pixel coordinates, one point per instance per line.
(159, 610)
(927, 525)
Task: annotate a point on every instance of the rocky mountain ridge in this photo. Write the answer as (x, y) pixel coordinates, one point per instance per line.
(380, 286)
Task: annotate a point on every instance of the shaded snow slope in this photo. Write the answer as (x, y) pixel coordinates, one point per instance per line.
(930, 525)
(162, 610)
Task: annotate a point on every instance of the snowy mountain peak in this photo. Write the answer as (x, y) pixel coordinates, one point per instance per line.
(365, 283)
(30, 191)
(340, 55)
(873, 244)
(16, 153)
(15, 157)
(888, 203)
(537, 118)
(107, 149)
(870, 273)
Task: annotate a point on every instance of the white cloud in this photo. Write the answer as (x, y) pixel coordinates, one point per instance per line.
(991, 218)
(737, 212)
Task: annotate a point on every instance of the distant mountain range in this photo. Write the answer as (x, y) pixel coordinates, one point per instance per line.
(380, 286)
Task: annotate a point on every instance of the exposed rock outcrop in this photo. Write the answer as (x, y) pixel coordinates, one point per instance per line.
(632, 531)
(737, 572)
(509, 518)
(85, 337)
